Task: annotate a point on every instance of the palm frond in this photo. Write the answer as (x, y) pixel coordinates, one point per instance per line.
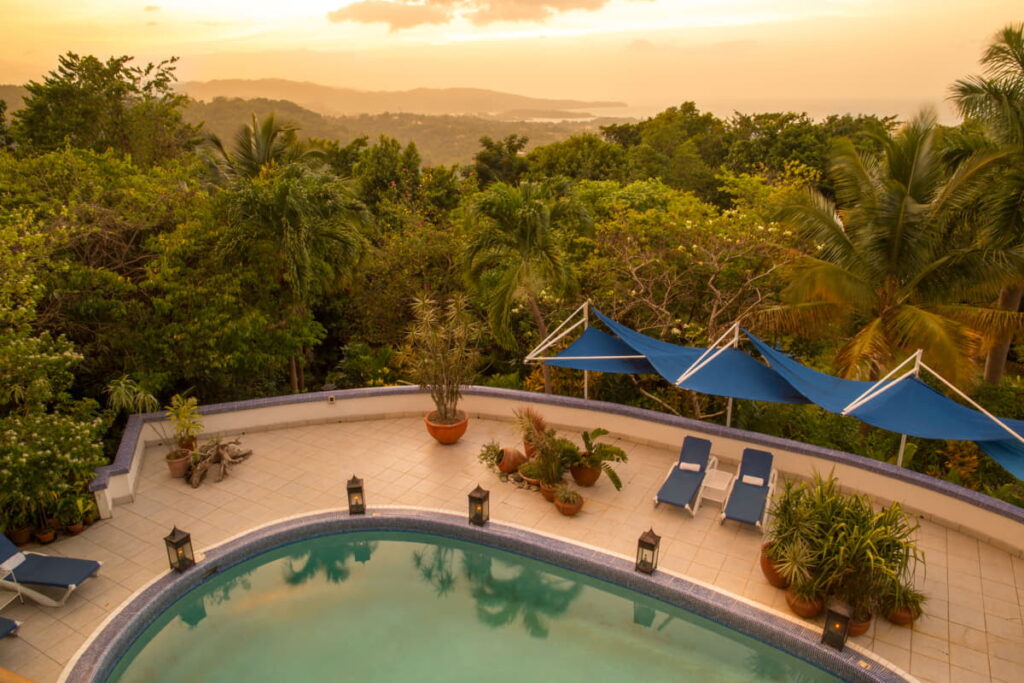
(867, 354)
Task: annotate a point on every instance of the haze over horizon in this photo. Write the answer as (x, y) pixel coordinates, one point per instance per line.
(833, 56)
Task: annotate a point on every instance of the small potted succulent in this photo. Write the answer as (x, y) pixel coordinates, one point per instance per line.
(568, 500)
(595, 458)
(71, 515)
(441, 355)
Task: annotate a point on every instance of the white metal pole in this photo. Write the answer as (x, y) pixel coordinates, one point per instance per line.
(586, 373)
(903, 447)
(728, 413)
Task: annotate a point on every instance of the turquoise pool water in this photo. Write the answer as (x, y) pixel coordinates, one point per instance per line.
(388, 606)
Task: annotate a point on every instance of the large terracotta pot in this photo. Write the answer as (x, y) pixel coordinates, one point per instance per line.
(858, 627)
(769, 571)
(568, 509)
(178, 462)
(74, 529)
(511, 459)
(444, 433)
(803, 607)
(45, 536)
(585, 476)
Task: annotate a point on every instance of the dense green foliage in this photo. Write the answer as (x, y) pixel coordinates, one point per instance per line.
(277, 262)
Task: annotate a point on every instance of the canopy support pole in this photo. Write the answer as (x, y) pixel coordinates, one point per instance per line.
(711, 353)
(903, 447)
(586, 373)
(877, 389)
(974, 403)
(558, 333)
(728, 413)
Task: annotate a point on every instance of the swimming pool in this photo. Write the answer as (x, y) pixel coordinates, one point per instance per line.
(394, 606)
(416, 594)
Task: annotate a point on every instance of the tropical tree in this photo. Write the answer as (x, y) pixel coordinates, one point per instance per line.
(89, 104)
(997, 100)
(894, 263)
(304, 228)
(517, 251)
(261, 145)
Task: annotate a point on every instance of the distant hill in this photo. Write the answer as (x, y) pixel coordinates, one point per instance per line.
(13, 96)
(347, 102)
(440, 139)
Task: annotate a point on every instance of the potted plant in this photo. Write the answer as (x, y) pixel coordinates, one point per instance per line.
(567, 500)
(71, 516)
(533, 427)
(490, 455)
(19, 520)
(551, 464)
(805, 599)
(791, 520)
(530, 472)
(440, 354)
(595, 458)
(183, 414)
(901, 603)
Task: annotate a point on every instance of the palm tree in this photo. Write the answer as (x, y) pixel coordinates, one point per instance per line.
(261, 145)
(516, 251)
(306, 227)
(894, 260)
(997, 100)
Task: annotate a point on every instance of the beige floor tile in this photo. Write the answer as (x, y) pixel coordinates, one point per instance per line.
(929, 669)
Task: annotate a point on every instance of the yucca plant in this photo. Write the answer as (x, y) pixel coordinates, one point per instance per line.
(441, 352)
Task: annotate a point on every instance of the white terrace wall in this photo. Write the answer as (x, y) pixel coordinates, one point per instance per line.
(990, 520)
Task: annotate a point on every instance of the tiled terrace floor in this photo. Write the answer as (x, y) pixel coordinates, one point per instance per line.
(971, 631)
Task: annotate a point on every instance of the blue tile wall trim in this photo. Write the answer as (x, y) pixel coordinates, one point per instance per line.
(97, 660)
(125, 452)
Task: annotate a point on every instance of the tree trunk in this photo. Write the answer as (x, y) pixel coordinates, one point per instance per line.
(293, 374)
(542, 328)
(995, 363)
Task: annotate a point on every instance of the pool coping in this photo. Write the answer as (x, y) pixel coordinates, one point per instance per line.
(97, 657)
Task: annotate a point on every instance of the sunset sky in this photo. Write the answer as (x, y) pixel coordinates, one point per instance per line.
(884, 56)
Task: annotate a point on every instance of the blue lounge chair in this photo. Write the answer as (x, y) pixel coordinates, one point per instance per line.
(683, 487)
(747, 498)
(42, 570)
(7, 626)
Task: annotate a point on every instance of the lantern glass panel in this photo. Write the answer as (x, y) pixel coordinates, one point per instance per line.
(836, 627)
(356, 499)
(479, 506)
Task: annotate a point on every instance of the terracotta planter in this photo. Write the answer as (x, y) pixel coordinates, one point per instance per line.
(858, 627)
(769, 571)
(904, 616)
(802, 607)
(585, 476)
(53, 523)
(531, 482)
(89, 519)
(446, 434)
(568, 509)
(548, 491)
(511, 459)
(20, 536)
(45, 536)
(74, 529)
(179, 464)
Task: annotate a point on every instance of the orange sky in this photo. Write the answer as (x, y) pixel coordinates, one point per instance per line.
(885, 56)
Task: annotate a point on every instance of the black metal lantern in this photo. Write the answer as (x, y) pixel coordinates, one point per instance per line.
(179, 550)
(479, 506)
(647, 551)
(837, 625)
(356, 500)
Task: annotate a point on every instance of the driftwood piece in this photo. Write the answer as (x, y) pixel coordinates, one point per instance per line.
(216, 455)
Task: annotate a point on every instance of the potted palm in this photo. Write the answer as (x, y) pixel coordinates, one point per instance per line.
(183, 414)
(551, 461)
(596, 458)
(441, 355)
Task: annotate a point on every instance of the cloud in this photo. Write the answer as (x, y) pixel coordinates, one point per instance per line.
(151, 8)
(399, 14)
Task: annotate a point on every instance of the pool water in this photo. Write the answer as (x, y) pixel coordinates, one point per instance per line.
(389, 606)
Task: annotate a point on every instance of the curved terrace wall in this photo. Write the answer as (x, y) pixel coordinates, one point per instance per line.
(983, 517)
